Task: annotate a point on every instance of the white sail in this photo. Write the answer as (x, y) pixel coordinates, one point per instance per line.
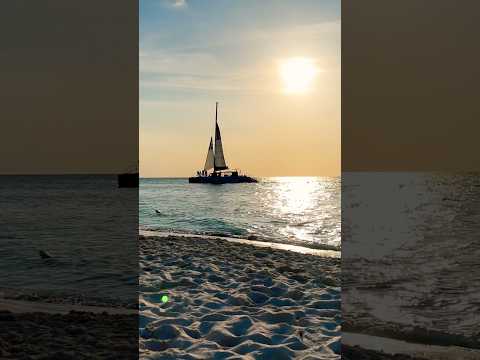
(220, 163)
(210, 161)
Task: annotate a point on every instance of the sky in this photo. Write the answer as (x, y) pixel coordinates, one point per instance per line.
(274, 68)
(410, 99)
(69, 86)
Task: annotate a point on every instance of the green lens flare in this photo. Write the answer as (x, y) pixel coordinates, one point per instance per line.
(165, 299)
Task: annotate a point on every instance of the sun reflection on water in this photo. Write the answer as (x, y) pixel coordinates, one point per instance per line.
(295, 196)
(301, 204)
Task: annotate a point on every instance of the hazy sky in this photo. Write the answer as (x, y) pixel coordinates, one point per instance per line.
(410, 100)
(193, 53)
(69, 88)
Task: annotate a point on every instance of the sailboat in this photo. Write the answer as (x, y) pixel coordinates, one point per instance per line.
(216, 170)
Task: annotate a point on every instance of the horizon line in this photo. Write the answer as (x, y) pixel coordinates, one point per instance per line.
(60, 174)
(267, 176)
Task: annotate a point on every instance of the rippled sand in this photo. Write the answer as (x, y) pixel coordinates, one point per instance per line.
(236, 301)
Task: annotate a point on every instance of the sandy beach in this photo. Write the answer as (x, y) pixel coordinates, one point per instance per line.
(236, 301)
(76, 335)
(34, 325)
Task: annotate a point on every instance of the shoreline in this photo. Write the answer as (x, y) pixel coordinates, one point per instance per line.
(259, 243)
(388, 347)
(52, 298)
(22, 307)
(56, 328)
(418, 336)
(39, 326)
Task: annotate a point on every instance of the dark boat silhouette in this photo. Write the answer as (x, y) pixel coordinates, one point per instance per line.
(216, 170)
(128, 180)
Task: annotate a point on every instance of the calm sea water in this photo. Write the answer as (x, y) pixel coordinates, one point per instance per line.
(283, 209)
(411, 252)
(85, 223)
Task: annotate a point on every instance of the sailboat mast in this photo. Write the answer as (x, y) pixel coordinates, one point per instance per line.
(214, 157)
(220, 163)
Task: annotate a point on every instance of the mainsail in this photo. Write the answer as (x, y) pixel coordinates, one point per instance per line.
(210, 162)
(219, 163)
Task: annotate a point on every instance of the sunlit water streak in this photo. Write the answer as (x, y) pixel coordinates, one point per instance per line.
(281, 209)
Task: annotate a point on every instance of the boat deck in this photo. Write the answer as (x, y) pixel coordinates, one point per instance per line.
(221, 179)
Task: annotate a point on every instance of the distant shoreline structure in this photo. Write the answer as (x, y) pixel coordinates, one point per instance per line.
(130, 178)
(216, 170)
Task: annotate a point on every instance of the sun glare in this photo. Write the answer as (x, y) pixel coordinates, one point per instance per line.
(298, 74)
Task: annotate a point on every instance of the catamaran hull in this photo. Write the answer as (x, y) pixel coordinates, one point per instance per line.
(221, 179)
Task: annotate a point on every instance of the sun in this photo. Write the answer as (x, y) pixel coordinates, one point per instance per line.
(298, 74)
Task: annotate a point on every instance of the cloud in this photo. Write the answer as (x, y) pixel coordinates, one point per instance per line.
(198, 71)
(177, 4)
(241, 61)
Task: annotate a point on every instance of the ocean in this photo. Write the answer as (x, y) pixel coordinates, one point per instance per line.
(86, 223)
(411, 255)
(300, 210)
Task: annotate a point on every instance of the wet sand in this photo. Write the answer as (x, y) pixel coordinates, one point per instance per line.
(358, 353)
(361, 346)
(40, 325)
